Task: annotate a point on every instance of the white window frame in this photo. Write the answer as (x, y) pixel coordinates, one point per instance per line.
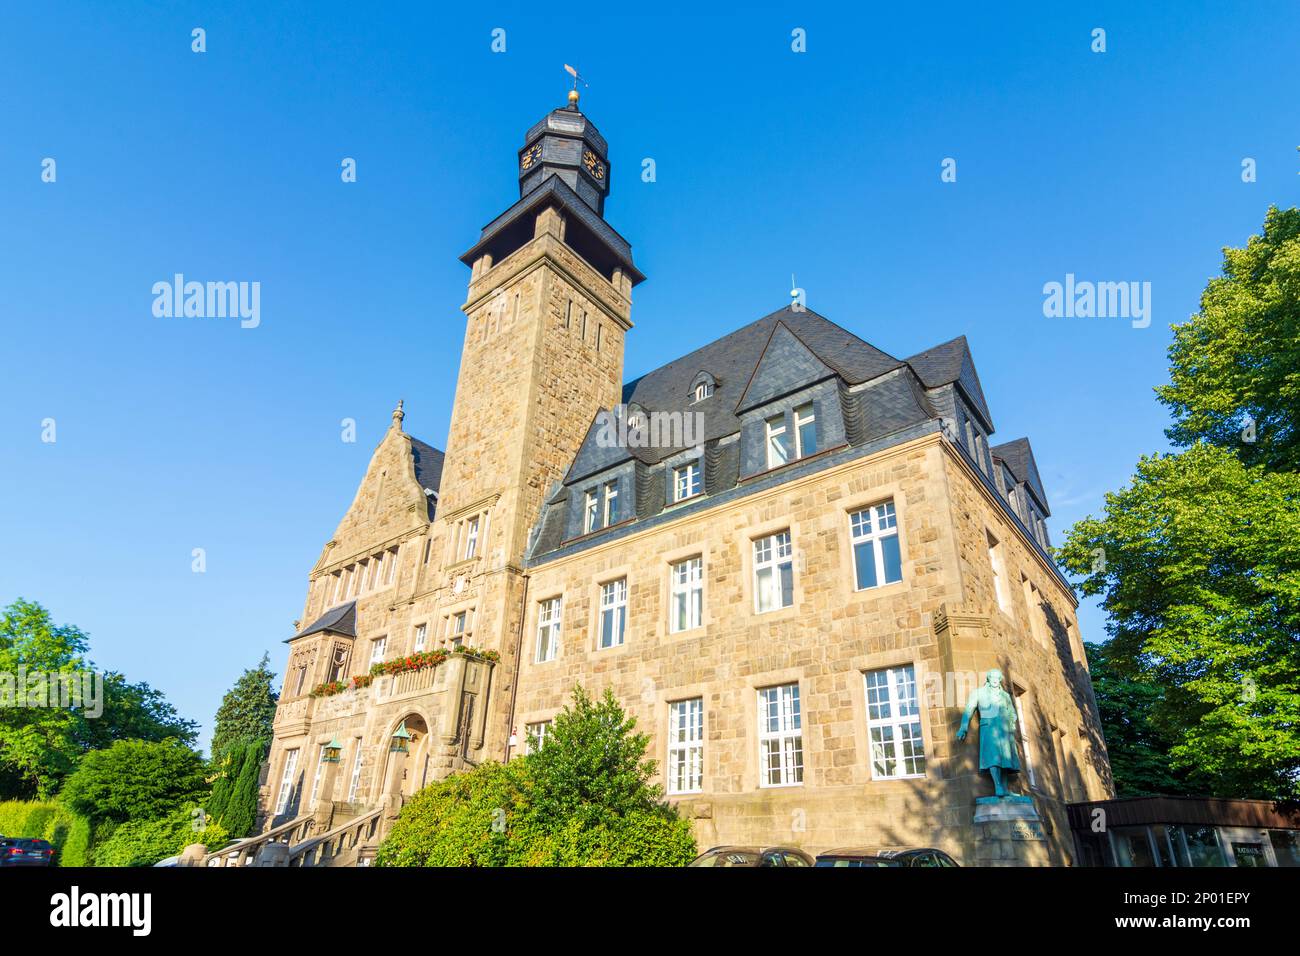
(378, 648)
(804, 415)
(286, 780)
(892, 693)
(686, 746)
(703, 390)
(881, 523)
(354, 784)
(591, 513)
(775, 429)
(421, 637)
(611, 503)
(613, 599)
(460, 625)
(686, 593)
(549, 616)
(686, 481)
(471, 537)
(538, 730)
(785, 740)
(771, 553)
(315, 783)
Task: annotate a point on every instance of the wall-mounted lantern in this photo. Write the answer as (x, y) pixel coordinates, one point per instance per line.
(333, 750)
(401, 740)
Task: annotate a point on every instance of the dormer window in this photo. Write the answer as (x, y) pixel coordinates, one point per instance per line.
(686, 481)
(778, 445)
(611, 503)
(805, 429)
(783, 448)
(703, 391)
(591, 521)
(601, 508)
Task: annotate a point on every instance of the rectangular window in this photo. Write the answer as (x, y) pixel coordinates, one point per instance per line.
(876, 557)
(805, 431)
(338, 664)
(471, 537)
(773, 572)
(686, 481)
(611, 503)
(363, 577)
(592, 513)
(377, 648)
(613, 613)
(390, 567)
(780, 736)
(320, 770)
(336, 594)
(999, 574)
(461, 625)
(548, 630)
(421, 637)
(894, 723)
(778, 450)
(286, 781)
(300, 680)
(355, 783)
(1022, 728)
(687, 603)
(686, 746)
(535, 736)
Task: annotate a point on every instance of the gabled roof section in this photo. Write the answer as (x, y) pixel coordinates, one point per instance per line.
(597, 452)
(732, 361)
(337, 620)
(786, 366)
(428, 470)
(1019, 457)
(951, 363)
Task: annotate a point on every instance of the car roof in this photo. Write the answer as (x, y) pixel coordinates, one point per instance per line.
(878, 852)
(751, 849)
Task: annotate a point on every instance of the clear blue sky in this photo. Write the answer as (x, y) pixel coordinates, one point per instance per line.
(182, 433)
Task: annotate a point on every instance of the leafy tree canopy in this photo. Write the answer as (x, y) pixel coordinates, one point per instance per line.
(247, 710)
(135, 780)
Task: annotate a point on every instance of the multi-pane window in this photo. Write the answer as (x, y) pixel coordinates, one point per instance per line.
(687, 599)
(778, 444)
(1000, 584)
(611, 503)
(613, 613)
(686, 745)
(773, 572)
(378, 647)
(421, 637)
(601, 507)
(703, 391)
(894, 723)
(355, 784)
(471, 537)
(780, 736)
(591, 521)
(320, 770)
(535, 736)
(460, 624)
(805, 431)
(686, 481)
(286, 781)
(874, 534)
(548, 630)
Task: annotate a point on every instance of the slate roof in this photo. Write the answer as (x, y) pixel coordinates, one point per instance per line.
(732, 361)
(951, 363)
(337, 620)
(1019, 457)
(428, 469)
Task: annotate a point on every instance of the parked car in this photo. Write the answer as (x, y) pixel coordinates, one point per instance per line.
(927, 856)
(17, 851)
(753, 856)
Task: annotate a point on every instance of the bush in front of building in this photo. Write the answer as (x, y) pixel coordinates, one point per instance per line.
(146, 842)
(68, 832)
(583, 799)
(135, 780)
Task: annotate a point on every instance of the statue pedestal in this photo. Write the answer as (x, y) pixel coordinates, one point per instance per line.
(1009, 832)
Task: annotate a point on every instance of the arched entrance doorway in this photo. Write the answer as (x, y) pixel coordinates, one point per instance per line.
(407, 770)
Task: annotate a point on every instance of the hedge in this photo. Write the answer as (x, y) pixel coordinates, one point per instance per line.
(67, 832)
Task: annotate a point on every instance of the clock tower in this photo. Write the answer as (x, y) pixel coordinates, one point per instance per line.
(548, 308)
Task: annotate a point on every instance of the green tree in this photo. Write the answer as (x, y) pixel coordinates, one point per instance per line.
(1237, 361)
(134, 712)
(135, 780)
(247, 710)
(38, 745)
(584, 799)
(239, 810)
(1127, 699)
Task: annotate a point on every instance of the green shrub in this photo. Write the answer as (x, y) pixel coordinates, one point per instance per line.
(145, 842)
(135, 780)
(68, 832)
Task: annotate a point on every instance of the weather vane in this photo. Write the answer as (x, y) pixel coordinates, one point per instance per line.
(573, 93)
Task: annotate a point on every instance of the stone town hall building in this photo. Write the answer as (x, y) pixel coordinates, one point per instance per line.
(787, 553)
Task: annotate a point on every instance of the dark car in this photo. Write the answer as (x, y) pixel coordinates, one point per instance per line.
(25, 852)
(753, 856)
(927, 856)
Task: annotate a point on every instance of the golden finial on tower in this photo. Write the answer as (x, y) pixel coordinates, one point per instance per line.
(398, 415)
(573, 93)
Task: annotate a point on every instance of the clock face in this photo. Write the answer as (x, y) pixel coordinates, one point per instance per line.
(593, 164)
(530, 157)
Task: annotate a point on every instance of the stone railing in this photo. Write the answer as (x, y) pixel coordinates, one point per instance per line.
(245, 852)
(333, 847)
(409, 682)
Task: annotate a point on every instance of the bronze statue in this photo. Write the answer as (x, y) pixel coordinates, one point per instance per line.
(997, 729)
